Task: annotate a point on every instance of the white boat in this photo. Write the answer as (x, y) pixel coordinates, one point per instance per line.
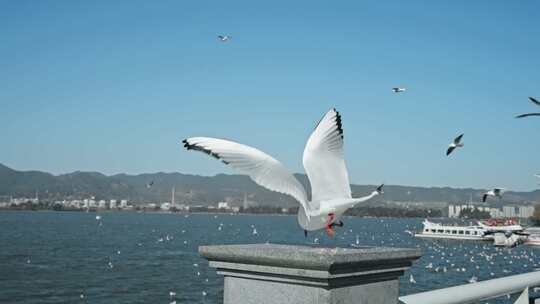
(508, 239)
(508, 225)
(436, 230)
(481, 231)
(533, 240)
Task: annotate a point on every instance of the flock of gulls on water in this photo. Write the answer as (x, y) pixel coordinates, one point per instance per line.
(323, 162)
(447, 261)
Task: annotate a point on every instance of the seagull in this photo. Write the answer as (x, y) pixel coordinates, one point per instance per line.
(455, 144)
(324, 164)
(149, 185)
(224, 38)
(473, 279)
(497, 192)
(536, 102)
(398, 90)
(412, 280)
(357, 242)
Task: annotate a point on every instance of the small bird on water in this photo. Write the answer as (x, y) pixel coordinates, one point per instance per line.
(455, 144)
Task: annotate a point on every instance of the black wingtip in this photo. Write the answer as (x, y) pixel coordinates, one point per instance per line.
(195, 147)
(339, 123)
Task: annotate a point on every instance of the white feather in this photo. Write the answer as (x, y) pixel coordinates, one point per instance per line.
(323, 160)
(261, 167)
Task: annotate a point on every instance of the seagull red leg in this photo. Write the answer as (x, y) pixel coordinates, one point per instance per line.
(329, 229)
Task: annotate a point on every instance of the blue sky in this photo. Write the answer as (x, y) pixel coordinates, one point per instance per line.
(113, 86)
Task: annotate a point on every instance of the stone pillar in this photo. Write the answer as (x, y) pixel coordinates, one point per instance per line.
(272, 274)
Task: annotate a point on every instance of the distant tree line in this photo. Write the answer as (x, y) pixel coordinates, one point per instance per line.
(378, 211)
(374, 211)
(473, 213)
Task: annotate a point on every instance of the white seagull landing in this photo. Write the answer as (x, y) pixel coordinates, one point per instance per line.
(536, 102)
(224, 38)
(455, 144)
(324, 164)
(398, 90)
(496, 192)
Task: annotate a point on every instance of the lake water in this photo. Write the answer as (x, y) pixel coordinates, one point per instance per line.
(70, 257)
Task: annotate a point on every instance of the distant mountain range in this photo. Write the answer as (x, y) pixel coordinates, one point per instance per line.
(205, 190)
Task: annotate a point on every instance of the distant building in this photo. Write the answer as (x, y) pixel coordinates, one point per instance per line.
(92, 203)
(247, 203)
(112, 204)
(525, 211)
(123, 204)
(102, 204)
(453, 211)
(496, 213)
(509, 211)
(165, 206)
(223, 205)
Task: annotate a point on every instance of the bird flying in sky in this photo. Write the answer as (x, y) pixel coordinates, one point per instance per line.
(398, 90)
(224, 38)
(536, 102)
(455, 144)
(496, 192)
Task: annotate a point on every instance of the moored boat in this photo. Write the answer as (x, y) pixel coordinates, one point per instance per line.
(533, 240)
(482, 231)
(437, 230)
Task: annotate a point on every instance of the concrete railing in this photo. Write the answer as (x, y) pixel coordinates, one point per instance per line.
(475, 292)
(275, 274)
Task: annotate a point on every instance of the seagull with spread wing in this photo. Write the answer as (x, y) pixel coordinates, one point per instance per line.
(455, 144)
(496, 192)
(398, 90)
(324, 164)
(536, 102)
(224, 38)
